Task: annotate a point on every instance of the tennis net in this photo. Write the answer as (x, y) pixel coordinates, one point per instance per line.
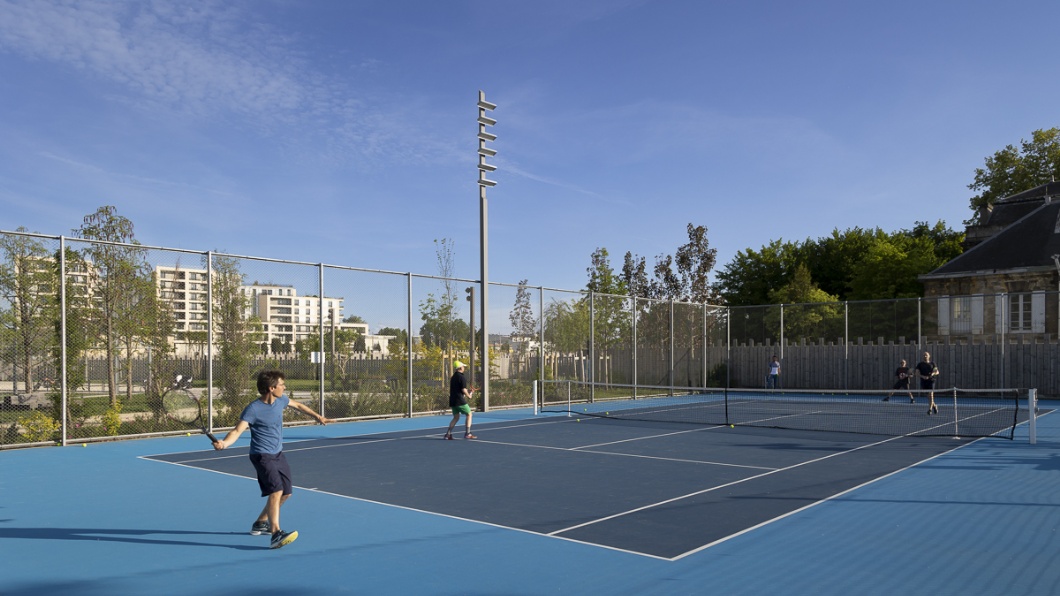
(968, 413)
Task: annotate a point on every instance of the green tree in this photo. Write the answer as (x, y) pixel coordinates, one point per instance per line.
(635, 276)
(831, 259)
(401, 338)
(750, 277)
(234, 335)
(114, 266)
(441, 326)
(524, 324)
(1015, 169)
(610, 307)
(567, 331)
(816, 314)
(29, 282)
(695, 260)
(890, 265)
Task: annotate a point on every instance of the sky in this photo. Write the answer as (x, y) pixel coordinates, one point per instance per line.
(344, 131)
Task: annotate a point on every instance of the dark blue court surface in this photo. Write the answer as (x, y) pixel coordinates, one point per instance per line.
(660, 489)
(542, 505)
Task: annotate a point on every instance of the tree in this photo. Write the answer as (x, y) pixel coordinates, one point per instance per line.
(610, 307)
(817, 315)
(1012, 170)
(440, 324)
(831, 259)
(233, 334)
(690, 282)
(635, 276)
(567, 329)
(889, 267)
(748, 279)
(524, 324)
(29, 282)
(695, 260)
(401, 338)
(113, 270)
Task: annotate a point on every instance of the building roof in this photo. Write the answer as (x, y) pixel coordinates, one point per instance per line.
(1028, 236)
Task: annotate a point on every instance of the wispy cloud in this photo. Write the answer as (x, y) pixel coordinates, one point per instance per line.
(215, 63)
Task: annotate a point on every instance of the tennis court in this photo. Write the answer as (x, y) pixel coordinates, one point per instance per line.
(543, 504)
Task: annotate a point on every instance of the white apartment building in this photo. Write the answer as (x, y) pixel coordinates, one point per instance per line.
(286, 318)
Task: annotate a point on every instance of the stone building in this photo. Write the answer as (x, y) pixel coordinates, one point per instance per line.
(1007, 281)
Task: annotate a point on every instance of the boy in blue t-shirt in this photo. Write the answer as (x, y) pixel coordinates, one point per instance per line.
(264, 418)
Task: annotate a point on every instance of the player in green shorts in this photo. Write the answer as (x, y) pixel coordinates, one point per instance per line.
(459, 394)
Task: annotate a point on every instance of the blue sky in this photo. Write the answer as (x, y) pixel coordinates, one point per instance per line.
(344, 132)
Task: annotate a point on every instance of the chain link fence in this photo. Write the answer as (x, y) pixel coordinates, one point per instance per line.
(94, 334)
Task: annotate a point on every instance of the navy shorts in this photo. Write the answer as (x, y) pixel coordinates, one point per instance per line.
(273, 472)
(927, 384)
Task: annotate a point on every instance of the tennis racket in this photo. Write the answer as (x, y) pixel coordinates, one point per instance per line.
(180, 405)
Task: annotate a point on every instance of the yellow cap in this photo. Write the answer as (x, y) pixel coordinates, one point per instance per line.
(458, 364)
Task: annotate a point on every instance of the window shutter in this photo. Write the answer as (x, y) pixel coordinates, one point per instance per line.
(977, 315)
(1000, 312)
(1038, 312)
(944, 315)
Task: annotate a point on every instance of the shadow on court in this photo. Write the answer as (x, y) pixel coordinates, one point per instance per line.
(152, 537)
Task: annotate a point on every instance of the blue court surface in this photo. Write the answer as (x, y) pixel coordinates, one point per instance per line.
(542, 505)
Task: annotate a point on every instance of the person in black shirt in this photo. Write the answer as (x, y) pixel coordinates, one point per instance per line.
(459, 394)
(927, 371)
(901, 383)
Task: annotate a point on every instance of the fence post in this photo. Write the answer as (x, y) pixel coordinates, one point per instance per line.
(63, 420)
(408, 348)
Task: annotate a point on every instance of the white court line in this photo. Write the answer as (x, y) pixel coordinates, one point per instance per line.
(615, 454)
(553, 535)
(814, 504)
(726, 485)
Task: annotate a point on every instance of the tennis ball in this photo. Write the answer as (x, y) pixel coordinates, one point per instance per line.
(187, 434)
(732, 426)
(84, 444)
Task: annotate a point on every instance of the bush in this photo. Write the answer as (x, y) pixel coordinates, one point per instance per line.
(38, 427)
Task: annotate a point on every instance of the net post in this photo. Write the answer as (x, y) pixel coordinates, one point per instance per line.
(534, 391)
(1032, 415)
(568, 399)
(956, 430)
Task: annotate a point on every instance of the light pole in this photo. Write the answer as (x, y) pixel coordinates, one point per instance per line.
(484, 136)
(471, 351)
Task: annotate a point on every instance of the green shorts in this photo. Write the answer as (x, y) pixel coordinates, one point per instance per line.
(463, 409)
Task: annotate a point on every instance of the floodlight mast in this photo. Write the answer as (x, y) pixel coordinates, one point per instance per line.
(484, 136)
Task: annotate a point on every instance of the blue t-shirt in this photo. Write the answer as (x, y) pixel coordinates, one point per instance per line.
(266, 424)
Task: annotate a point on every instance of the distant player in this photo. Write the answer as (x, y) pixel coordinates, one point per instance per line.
(901, 382)
(927, 371)
(459, 395)
(773, 378)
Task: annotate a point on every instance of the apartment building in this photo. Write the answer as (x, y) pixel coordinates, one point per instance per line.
(285, 317)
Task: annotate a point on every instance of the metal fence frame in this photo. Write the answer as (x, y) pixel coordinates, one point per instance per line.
(599, 338)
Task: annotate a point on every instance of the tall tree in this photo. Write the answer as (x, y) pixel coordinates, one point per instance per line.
(635, 276)
(1015, 169)
(29, 283)
(751, 275)
(524, 324)
(440, 324)
(233, 334)
(114, 265)
(695, 260)
(684, 276)
(610, 307)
